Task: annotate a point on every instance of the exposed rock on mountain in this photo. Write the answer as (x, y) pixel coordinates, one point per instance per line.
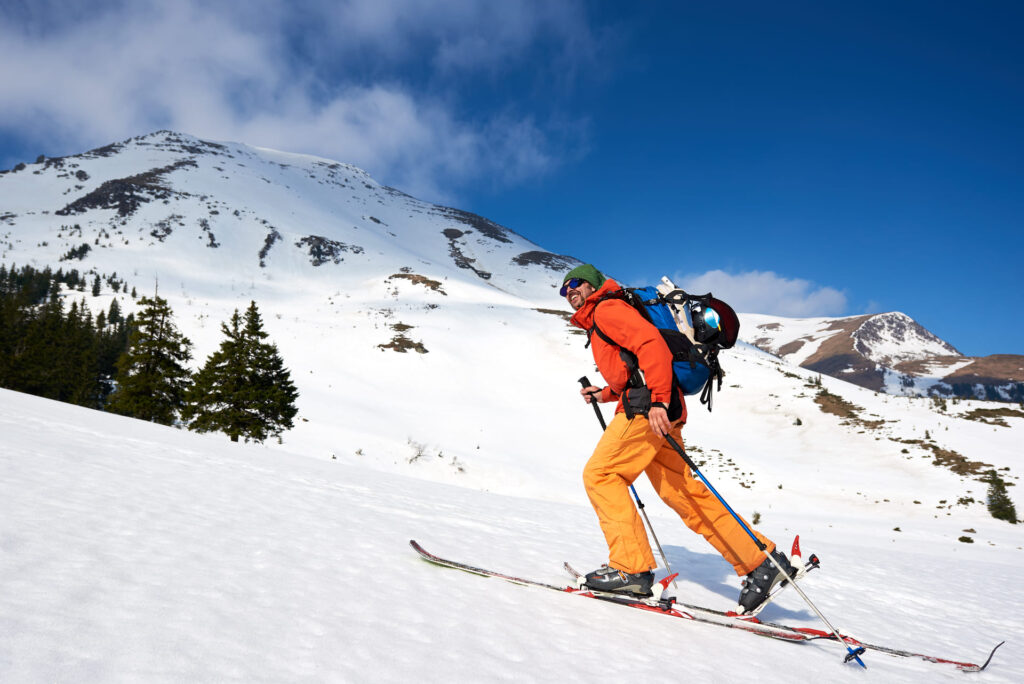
(887, 352)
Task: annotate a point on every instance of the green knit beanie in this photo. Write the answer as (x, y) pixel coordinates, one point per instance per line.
(586, 272)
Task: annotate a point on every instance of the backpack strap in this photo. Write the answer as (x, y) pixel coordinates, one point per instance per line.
(628, 357)
(711, 357)
(636, 380)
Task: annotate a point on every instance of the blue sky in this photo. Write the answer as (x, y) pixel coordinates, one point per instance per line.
(798, 158)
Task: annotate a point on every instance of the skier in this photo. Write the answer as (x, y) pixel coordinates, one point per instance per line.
(630, 447)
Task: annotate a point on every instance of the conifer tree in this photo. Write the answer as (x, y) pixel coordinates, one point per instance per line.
(77, 364)
(151, 375)
(1000, 505)
(114, 313)
(243, 390)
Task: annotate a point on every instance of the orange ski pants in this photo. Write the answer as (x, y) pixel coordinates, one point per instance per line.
(628, 448)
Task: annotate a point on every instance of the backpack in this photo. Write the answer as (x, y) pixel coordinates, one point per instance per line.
(695, 328)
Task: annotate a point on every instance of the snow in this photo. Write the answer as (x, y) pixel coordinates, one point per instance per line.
(775, 331)
(136, 552)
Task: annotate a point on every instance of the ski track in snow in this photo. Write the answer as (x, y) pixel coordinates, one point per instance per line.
(133, 552)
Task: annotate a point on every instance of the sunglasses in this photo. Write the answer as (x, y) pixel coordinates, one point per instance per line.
(571, 284)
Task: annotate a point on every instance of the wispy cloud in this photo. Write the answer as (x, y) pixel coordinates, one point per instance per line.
(766, 292)
(384, 85)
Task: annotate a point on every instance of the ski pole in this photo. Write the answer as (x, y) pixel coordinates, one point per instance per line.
(854, 654)
(639, 504)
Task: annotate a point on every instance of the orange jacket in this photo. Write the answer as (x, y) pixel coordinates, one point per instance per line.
(624, 324)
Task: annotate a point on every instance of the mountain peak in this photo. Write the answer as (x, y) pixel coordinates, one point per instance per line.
(168, 201)
(886, 352)
(894, 337)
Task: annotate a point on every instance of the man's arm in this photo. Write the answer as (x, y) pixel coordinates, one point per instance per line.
(631, 331)
(627, 328)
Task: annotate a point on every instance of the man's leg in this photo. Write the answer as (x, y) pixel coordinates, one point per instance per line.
(702, 511)
(625, 449)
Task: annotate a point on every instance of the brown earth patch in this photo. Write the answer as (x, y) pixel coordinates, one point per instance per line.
(925, 367)
(836, 405)
(401, 343)
(792, 347)
(947, 458)
(995, 369)
(849, 412)
(849, 325)
(417, 279)
(993, 416)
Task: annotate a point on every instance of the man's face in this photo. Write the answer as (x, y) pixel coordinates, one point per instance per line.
(576, 296)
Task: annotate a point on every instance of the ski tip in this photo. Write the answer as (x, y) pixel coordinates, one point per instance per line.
(991, 653)
(795, 551)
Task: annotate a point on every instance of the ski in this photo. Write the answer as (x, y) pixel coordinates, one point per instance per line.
(669, 607)
(665, 606)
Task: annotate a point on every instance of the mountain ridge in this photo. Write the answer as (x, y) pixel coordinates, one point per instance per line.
(422, 338)
(165, 168)
(888, 352)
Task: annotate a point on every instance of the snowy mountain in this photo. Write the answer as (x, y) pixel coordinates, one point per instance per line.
(385, 308)
(887, 352)
(431, 349)
(422, 338)
(247, 213)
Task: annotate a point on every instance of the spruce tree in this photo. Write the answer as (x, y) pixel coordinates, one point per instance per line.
(151, 375)
(1000, 505)
(78, 364)
(114, 313)
(243, 389)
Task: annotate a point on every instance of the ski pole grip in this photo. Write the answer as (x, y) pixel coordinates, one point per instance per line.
(585, 382)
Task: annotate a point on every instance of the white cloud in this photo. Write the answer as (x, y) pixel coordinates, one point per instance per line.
(766, 292)
(322, 78)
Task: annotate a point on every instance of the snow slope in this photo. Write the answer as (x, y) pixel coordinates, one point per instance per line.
(135, 552)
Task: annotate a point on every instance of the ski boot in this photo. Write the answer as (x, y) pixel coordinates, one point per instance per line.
(614, 581)
(759, 583)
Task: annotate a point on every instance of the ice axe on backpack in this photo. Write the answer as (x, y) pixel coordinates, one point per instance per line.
(639, 504)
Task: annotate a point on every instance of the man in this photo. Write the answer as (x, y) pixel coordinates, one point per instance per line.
(631, 446)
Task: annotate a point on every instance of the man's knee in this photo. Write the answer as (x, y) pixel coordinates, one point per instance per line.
(593, 475)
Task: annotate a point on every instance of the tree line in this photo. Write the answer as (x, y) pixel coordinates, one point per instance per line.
(135, 365)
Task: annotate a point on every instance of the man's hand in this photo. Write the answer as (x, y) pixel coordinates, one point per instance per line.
(658, 418)
(591, 394)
